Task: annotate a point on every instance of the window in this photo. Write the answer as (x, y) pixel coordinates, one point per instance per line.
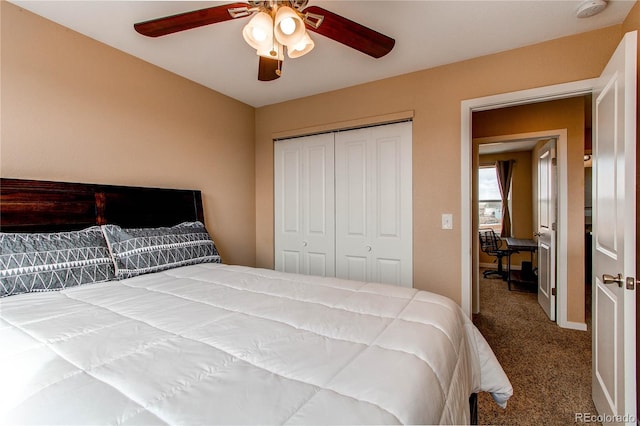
(489, 200)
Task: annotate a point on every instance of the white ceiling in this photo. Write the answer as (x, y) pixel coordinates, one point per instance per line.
(507, 146)
(427, 33)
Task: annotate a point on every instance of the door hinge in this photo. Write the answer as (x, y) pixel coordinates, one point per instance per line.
(553, 226)
(554, 161)
(553, 291)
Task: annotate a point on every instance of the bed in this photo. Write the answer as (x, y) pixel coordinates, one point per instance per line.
(140, 338)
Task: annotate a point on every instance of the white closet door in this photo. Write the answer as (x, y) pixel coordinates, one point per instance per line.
(374, 239)
(304, 205)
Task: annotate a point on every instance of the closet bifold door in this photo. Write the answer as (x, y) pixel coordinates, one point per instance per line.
(374, 236)
(304, 205)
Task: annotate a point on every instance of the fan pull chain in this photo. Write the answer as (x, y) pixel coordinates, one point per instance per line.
(274, 51)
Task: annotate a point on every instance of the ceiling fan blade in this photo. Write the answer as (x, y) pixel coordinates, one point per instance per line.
(186, 21)
(269, 69)
(351, 33)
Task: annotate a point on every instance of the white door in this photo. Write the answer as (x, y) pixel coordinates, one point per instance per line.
(546, 232)
(614, 237)
(374, 239)
(304, 205)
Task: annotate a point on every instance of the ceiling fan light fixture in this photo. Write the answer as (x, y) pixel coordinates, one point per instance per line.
(259, 31)
(303, 47)
(275, 25)
(289, 26)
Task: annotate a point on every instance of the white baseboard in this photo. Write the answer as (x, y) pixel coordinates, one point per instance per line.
(581, 326)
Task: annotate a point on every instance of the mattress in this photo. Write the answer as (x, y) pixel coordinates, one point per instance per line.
(215, 343)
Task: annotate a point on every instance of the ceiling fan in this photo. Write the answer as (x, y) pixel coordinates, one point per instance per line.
(276, 26)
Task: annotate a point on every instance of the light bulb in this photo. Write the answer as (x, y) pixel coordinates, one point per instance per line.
(300, 45)
(259, 34)
(288, 25)
(258, 31)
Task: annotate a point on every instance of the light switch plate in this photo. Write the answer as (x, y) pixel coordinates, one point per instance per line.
(447, 221)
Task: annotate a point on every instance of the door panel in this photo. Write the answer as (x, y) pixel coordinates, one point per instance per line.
(317, 264)
(546, 202)
(304, 231)
(319, 206)
(291, 169)
(606, 361)
(614, 235)
(544, 283)
(354, 268)
(389, 246)
(389, 271)
(606, 239)
(317, 157)
(373, 204)
(544, 167)
(389, 186)
(290, 261)
(354, 161)
(288, 223)
(353, 198)
(606, 202)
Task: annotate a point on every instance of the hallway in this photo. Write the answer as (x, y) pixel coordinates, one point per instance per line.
(549, 367)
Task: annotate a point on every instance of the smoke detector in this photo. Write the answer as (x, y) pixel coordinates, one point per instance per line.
(589, 8)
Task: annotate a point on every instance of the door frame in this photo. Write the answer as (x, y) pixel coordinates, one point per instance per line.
(522, 97)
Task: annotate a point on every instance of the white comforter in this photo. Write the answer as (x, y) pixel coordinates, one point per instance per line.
(225, 344)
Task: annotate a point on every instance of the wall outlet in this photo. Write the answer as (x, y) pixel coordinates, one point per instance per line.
(447, 221)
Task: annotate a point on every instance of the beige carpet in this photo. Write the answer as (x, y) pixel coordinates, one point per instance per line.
(549, 367)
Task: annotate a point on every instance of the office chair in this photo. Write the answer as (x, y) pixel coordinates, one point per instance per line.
(491, 244)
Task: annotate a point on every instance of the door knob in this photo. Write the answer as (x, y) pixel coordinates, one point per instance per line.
(369, 248)
(610, 279)
(304, 244)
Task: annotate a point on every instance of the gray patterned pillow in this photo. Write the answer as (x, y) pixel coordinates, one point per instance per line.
(53, 261)
(142, 250)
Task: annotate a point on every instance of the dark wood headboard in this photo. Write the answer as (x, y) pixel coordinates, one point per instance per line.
(43, 206)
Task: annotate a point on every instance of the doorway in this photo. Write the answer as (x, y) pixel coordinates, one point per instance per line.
(531, 203)
(566, 236)
(568, 123)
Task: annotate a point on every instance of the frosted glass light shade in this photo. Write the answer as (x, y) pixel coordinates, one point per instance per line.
(301, 48)
(289, 28)
(258, 33)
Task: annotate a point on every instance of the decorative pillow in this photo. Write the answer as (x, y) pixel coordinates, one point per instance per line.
(142, 250)
(53, 261)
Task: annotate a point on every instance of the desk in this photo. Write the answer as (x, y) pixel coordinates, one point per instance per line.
(516, 245)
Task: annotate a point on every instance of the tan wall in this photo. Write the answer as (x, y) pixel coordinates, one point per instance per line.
(435, 96)
(74, 109)
(561, 114)
(521, 199)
